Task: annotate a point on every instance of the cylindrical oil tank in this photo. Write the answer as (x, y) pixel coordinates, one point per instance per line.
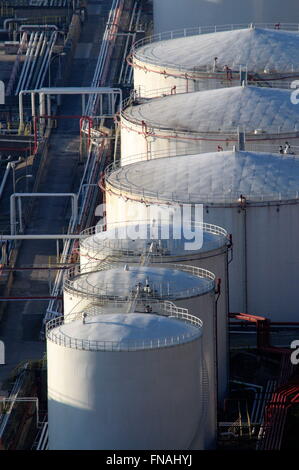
(126, 381)
(156, 244)
(189, 287)
(116, 280)
(191, 13)
(253, 195)
(201, 59)
(208, 121)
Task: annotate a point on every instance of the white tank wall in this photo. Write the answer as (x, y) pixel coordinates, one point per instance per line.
(150, 80)
(88, 261)
(271, 257)
(118, 210)
(215, 261)
(271, 246)
(75, 303)
(153, 81)
(277, 249)
(125, 400)
(203, 307)
(191, 13)
(137, 146)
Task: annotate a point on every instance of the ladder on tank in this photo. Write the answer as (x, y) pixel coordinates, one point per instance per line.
(140, 289)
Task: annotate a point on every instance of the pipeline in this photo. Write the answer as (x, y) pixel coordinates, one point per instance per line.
(16, 66)
(125, 75)
(25, 298)
(34, 268)
(3, 182)
(103, 61)
(11, 20)
(112, 34)
(46, 60)
(272, 429)
(43, 59)
(39, 63)
(275, 416)
(35, 57)
(29, 61)
(263, 327)
(25, 65)
(38, 26)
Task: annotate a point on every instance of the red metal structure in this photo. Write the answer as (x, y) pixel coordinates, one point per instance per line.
(276, 413)
(286, 395)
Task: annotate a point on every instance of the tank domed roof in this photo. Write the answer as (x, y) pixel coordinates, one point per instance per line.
(159, 240)
(248, 107)
(257, 48)
(218, 177)
(124, 330)
(121, 281)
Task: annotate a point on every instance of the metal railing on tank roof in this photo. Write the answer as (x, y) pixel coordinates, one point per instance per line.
(138, 50)
(263, 145)
(120, 187)
(195, 31)
(203, 131)
(210, 228)
(56, 335)
(116, 244)
(208, 198)
(142, 95)
(158, 289)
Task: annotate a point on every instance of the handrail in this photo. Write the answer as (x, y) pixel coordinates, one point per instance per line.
(207, 71)
(159, 290)
(119, 306)
(195, 31)
(210, 228)
(118, 246)
(54, 334)
(252, 145)
(150, 128)
(208, 135)
(142, 95)
(141, 157)
(125, 190)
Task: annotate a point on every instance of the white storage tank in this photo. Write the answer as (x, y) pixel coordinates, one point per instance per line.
(189, 287)
(126, 381)
(191, 13)
(180, 283)
(202, 59)
(253, 195)
(156, 244)
(209, 120)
